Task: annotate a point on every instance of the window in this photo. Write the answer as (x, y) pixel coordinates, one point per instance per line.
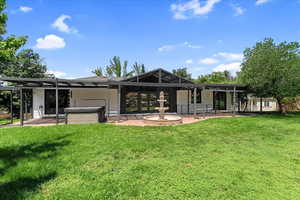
(267, 104)
(198, 97)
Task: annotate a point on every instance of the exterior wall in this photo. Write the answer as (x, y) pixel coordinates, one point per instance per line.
(38, 103)
(79, 98)
(95, 97)
(229, 98)
(206, 104)
(254, 104)
(90, 97)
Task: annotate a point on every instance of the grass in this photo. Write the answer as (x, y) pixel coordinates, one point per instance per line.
(227, 158)
(7, 121)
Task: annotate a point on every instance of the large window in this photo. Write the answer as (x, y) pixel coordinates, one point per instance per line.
(50, 101)
(220, 100)
(198, 97)
(143, 101)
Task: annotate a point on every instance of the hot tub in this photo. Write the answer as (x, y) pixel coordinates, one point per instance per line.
(85, 115)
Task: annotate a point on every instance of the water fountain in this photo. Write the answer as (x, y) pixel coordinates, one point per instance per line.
(162, 118)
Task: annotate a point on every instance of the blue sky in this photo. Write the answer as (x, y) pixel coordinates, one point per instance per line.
(74, 37)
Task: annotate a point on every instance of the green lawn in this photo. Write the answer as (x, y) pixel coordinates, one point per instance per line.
(227, 158)
(7, 121)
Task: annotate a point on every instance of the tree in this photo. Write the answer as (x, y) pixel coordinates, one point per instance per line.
(115, 69)
(138, 69)
(9, 45)
(182, 72)
(216, 77)
(272, 70)
(98, 71)
(26, 64)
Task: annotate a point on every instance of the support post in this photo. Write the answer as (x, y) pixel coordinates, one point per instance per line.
(204, 107)
(195, 101)
(21, 108)
(261, 107)
(188, 102)
(11, 108)
(56, 101)
(119, 102)
(234, 100)
(159, 76)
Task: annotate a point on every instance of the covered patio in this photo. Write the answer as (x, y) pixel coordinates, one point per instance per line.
(143, 90)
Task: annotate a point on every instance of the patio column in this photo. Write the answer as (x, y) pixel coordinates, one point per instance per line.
(195, 101)
(234, 99)
(204, 106)
(261, 107)
(188, 102)
(21, 108)
(11, 107)
(119, 102)
(56, 101)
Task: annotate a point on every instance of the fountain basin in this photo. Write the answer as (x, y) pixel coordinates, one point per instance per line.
(168, 120)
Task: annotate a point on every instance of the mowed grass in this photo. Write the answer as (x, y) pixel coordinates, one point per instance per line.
(227, 158)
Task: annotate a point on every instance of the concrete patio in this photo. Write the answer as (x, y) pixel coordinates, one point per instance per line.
(127, 120)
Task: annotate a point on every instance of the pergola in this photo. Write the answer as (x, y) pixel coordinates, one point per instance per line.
(56, 83)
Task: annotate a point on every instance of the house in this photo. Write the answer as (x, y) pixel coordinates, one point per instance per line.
(132, 95)
(256, 104)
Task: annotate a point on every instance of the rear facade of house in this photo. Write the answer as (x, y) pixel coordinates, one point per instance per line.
(132, 99)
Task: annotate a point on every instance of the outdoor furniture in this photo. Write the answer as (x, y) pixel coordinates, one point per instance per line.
(84, 115)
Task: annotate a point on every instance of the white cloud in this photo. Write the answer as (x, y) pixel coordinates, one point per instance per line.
(237, 10)
(174, 46)
(232, 67)
(60, 24)
(259, 2)
(230, 56)
(208, 61)
(59, 74)
(192, 8)
(25, 9)
(189, 62)
(50, 42)
(166, 48)
(189, 45)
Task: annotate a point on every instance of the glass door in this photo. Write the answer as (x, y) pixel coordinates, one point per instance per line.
(220, 101)
(50, 101)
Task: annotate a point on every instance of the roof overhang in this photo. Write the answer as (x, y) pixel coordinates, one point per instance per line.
(69, 83)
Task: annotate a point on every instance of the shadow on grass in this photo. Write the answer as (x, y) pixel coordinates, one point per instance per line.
(16, 189)
(11, 157)
(41, 150)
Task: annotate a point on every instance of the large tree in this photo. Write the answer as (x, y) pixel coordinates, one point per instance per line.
(26, 64)
(9, 45)
(182, 72)
(216, 77)
(272, 70)
(116, 68)
(138, 69)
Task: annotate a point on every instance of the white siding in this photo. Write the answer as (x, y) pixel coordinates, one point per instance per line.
(95, 97)
(183, 101)
(254, 104)
(38, 103)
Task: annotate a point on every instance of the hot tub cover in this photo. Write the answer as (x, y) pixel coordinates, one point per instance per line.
(83, 109)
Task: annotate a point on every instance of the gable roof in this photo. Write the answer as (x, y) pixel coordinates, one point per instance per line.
(166, 76)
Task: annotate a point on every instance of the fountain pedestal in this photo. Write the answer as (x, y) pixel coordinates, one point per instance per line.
(162, 118)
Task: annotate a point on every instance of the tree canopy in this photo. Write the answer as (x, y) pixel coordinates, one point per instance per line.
(216, 77)
(182, 72)
(117, 68)
(272, 70)
(25, 63)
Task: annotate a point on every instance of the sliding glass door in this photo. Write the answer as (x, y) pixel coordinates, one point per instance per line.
(220, 101)
(50, 101)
